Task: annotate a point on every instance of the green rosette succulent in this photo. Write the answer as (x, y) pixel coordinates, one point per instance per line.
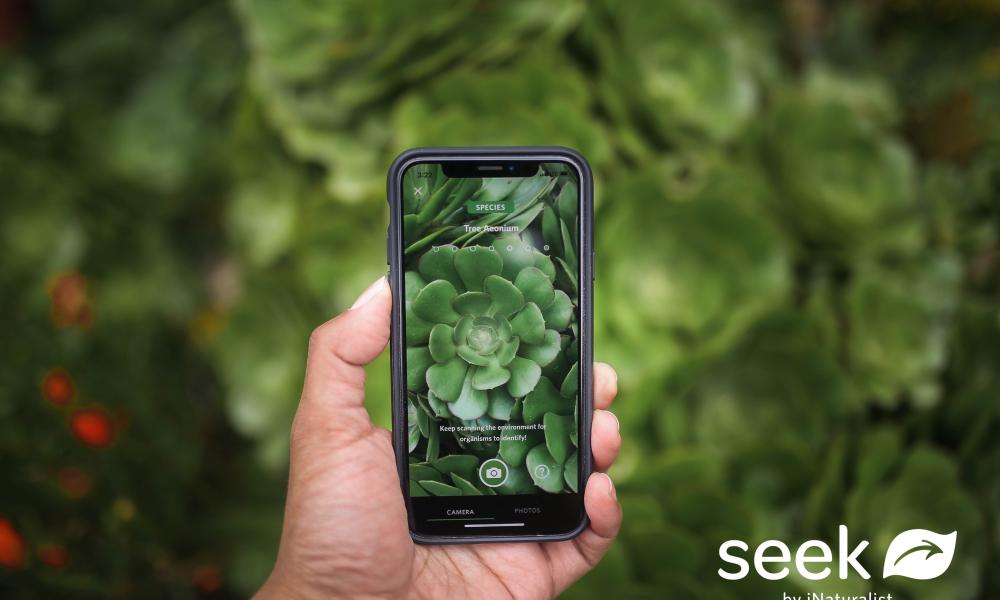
(481, 324)
(486, 333)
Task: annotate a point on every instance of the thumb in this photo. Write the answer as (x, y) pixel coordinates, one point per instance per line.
(338, 351)
(574, 558)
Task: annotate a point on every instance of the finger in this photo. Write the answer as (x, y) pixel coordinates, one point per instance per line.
(570, 560)
(339, 349)
(605, 385)
(601, 502)
(606, 439)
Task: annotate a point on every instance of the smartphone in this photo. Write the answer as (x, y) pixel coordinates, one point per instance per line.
(491, 268)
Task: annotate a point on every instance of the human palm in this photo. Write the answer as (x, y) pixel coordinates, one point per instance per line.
(345, 532)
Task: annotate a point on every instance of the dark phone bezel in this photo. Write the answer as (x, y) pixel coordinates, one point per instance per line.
(394, 250)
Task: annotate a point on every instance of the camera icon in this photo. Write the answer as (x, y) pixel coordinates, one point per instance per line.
(493, 472)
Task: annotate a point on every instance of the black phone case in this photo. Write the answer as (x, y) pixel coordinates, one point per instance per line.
(396, 343)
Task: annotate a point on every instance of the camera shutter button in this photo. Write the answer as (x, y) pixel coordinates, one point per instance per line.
(493, 472)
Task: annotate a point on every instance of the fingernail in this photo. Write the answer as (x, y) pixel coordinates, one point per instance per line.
(373, 290)
(611, 488)
(618, 425)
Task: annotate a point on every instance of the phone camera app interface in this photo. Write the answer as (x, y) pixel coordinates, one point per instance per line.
(491, 290)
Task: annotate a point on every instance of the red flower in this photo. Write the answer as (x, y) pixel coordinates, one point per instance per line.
(12, 547)
(92, 427)
(58, 388)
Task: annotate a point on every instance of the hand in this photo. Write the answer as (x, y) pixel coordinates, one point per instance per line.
(345, 532)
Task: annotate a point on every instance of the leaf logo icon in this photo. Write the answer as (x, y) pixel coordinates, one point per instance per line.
(920, 554)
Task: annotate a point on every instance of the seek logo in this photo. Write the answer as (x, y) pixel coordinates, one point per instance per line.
(920, 554)
(916, 554)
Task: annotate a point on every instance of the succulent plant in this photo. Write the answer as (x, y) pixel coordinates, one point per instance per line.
(482, 323)
(491, 329)
(487, 333)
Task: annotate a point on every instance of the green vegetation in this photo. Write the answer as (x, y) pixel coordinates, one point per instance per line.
(798, 267)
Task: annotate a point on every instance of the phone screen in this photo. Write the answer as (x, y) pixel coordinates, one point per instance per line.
(491, 281)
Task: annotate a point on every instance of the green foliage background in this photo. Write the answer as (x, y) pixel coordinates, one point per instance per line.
(797, 273)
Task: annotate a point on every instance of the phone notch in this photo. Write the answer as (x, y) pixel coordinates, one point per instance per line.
(465, 169)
